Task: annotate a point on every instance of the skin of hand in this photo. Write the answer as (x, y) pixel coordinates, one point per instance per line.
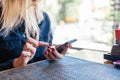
(53, 54)
(28, 52)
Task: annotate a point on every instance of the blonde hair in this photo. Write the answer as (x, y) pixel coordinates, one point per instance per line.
(14, 11)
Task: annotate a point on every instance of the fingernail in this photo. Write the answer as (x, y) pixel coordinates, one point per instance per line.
(53, 49)
(46, 53)
(50, 44)
(48, 50)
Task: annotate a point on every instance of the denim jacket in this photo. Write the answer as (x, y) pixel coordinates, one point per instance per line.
(11, 46)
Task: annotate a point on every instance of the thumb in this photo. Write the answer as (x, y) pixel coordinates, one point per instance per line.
(26, 60)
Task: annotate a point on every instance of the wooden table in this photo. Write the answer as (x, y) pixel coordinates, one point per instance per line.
(68, 68)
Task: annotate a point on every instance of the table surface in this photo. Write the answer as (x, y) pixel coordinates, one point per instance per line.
(68, 68)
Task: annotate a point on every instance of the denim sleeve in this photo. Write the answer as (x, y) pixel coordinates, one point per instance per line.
(46, 32)
(45, 36)
(10, 48)
(6, 65)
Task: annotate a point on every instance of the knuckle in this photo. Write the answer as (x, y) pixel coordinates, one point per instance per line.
(60, 57)
(27, 44)
(34, 50)
(36, 44)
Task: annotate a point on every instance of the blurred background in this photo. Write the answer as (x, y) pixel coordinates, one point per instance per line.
(91, 22)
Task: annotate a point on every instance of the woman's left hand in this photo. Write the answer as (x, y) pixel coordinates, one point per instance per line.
(53, 54)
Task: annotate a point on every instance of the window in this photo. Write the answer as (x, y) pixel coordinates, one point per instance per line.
(89, 21)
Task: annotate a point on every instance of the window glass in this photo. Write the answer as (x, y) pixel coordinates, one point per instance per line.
(90, 21)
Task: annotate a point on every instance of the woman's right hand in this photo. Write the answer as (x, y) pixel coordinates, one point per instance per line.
(28, 52)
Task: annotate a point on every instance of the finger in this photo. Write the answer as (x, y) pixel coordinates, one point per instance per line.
(51, 55)
(32, 41)
(44, 44)
(25, 57)
(25, 54)
(46, 55)
(26, 60)
(64, 50)
(30, 48)
(56, 53)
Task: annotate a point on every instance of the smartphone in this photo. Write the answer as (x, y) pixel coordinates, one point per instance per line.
(61, 48)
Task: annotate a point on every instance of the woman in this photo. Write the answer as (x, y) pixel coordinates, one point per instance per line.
(25, 34)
